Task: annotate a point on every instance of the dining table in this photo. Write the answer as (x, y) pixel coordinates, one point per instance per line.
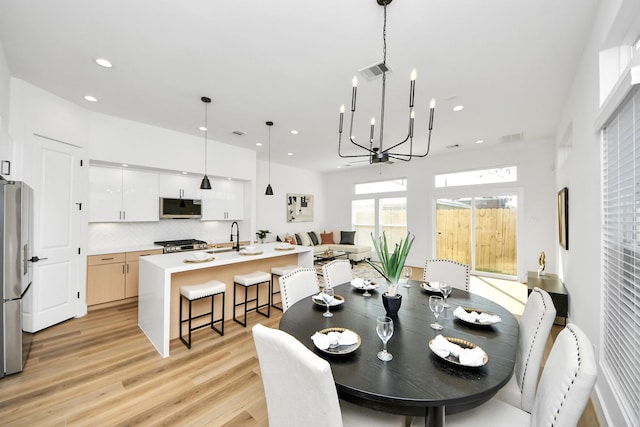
(416, 382)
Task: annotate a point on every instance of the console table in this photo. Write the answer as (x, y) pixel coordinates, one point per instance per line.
(555, 288)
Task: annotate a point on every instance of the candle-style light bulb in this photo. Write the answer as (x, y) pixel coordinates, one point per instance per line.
(373, 121)
(432, 104)
(354, 81)
(414, 74)
(342, 109)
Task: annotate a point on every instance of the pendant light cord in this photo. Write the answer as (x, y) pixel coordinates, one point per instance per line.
(206, 129)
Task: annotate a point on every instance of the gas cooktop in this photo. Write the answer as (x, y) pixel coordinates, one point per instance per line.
(181, 245)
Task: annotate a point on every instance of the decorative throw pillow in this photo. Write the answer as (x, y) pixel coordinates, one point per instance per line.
(304, 238)
(327, 238)
(290, 239)
(347, 237)
(278, 238)
(314, 238)
(298, 239)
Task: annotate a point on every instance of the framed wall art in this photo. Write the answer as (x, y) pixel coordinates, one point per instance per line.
(563, 217)
(299, 207)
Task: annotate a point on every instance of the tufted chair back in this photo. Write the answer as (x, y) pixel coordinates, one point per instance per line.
(444, 270)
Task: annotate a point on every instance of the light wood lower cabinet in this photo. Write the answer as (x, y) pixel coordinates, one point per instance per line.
(113, 277)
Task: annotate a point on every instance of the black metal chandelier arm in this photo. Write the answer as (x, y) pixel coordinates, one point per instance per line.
(410, 156)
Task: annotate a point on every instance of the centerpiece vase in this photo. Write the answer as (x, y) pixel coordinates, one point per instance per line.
(391, 300)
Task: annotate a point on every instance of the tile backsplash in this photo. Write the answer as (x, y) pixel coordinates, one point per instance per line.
(124, 234)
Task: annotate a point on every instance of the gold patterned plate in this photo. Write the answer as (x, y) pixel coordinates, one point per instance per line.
(477, 322)
(196, 261)
(425, 286)
(453, 359)
(337, 300)
(340, 350)
(288, 248)
(250, 253)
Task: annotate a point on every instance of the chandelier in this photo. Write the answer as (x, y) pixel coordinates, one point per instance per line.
(379, 154)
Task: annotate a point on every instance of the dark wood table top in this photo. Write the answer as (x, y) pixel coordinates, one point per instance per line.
(416, 379)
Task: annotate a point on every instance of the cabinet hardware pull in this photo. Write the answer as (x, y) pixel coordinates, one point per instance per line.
(122, 268)
(105, 259)
(127, 268)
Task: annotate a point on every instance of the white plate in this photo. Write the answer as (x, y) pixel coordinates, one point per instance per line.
(245, 252)
(453, 359)
(337, 300)
(367, 287)
(197, 260)
(477, 322)
(427, 287)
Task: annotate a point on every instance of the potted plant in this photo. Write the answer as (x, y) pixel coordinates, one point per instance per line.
(390, 267)
(262, 234)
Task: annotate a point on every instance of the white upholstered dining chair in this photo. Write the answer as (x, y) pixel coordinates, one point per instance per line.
(337, 272)
(299, 386)
(297, 285)
(535, 326)
(567, 380)
(445, 270)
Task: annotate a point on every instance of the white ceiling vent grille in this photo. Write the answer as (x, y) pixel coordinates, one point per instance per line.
(374, 71)
(514, 137)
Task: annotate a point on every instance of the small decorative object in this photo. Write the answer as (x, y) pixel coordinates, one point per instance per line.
(262, 234)
(390, 267)
(541, 263)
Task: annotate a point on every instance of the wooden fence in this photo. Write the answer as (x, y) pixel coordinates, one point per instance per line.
(495, 233)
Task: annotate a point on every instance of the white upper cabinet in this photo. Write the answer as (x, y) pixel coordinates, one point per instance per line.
(180, 186)
(225, 201)
(120, 194)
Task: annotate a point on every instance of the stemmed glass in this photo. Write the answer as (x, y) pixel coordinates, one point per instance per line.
(327, 298)
(367, 282)
(436, 304)
(384, 328)
(445, 289)
(407, 275)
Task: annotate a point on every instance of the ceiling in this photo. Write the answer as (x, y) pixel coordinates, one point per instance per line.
(510, 63)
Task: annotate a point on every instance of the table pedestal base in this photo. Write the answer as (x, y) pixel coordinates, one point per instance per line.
(434, 416)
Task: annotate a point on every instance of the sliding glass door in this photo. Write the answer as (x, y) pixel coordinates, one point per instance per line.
(479, 231)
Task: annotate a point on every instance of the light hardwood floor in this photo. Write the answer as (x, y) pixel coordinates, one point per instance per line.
(101, 370)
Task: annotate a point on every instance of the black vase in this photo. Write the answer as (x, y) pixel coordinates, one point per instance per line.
(391, 304)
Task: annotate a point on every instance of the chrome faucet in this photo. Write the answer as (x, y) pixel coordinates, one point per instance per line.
(236, 246)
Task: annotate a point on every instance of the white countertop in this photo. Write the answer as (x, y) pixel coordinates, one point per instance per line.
(175, 262)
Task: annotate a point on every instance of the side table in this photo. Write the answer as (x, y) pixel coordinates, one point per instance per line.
(555, 288)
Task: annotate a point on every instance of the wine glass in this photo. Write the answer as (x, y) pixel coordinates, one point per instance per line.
(327, 298)
(436, 304)
(384, 328)
(445, 289)
(367, 282)
(407, 275)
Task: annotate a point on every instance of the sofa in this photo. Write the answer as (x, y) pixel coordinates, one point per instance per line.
(330, 241)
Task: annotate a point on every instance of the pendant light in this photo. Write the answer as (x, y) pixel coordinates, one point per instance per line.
(205, 184)
(269, 190)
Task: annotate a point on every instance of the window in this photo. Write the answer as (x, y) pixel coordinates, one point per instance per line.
(477, 177)
(380, 212)
(621, 253)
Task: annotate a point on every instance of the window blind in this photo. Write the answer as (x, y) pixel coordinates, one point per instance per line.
(621, 254)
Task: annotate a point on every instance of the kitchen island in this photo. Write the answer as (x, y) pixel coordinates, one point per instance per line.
(161, 277)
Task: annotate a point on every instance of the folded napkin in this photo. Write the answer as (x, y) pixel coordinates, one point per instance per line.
(433, 285)
(475, 317)
(333, 339)
(359, 283)
(335, 301)
(466, 356)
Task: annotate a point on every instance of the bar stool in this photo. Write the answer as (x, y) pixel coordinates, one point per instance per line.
(280, 271)
(247, 281)
(195, 292)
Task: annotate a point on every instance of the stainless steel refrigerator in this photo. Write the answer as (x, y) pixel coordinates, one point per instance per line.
(15, 272)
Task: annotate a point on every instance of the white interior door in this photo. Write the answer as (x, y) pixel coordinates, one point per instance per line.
(55, 176)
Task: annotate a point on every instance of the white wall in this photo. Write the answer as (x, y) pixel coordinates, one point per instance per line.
(6, 144)
(580, 171)
(535, 163)
(271, 210)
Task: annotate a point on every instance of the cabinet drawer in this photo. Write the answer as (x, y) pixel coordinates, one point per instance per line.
(133, 256)
(105, 258)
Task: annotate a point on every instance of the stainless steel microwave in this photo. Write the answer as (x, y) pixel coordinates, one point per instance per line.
(180, 208)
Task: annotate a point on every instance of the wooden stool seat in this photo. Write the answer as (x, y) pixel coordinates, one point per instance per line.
(247, 281)
(195, 292)
(280, 271)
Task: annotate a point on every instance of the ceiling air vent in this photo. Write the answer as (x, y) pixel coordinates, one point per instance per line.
(453, 146)
(374, 71)
(514, 137)
(238, 132)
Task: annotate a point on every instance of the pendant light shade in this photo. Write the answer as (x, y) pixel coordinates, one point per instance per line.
(205, 184)
(269, 190)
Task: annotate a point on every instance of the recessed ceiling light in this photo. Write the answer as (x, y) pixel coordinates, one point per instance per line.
(294, 132)
(289, 154)
(202, 128)
(458, 108)
(124, 165)
(91, 98)
(258, 144)
(103, 63)
(480, 141)
(184, 173)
